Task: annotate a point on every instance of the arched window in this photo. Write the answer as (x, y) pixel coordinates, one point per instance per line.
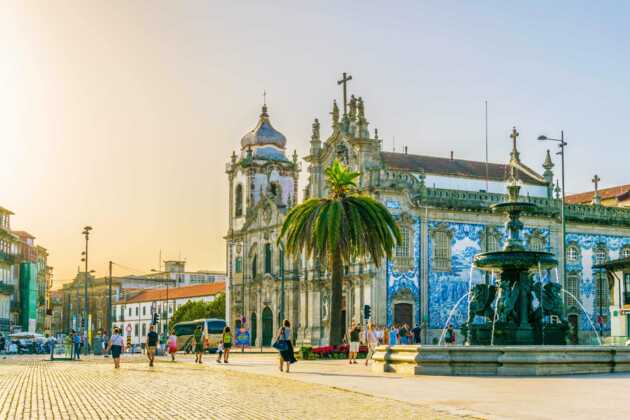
(268, 256)
(490, 239)
(238, 204)
(601, 254)
(625, 251)
(573, 281)
(441, 257)
(602, 296)
(254, 266)
(573, 254)
(402, 249)
(536, 244)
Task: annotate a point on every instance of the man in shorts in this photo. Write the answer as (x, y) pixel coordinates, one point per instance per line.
(152, 341)
(353, 335)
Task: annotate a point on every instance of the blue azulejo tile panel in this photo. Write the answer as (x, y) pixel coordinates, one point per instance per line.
(448, 289)
(407, 282)
(592, 248)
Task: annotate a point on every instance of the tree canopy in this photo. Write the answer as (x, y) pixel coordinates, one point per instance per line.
(338, 230)
(192, 310)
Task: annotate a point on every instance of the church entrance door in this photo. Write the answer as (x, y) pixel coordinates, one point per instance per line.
(573, 329)
(403, 313)
(252, 336)
(267, 327)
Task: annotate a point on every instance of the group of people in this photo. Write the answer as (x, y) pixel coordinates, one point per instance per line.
(73, 345)
(402, 334)
(116, 345)
(200, 343)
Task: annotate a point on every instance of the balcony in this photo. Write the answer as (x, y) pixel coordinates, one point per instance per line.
(7, 258)
(6, 289)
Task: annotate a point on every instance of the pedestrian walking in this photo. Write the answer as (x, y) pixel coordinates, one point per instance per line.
(386, 336)
(285, 345)
(226, 343)
(353, 335)
(372, 342)
(219, 352)
(402, 332)
(51, 341)
(76, 341)
(67, 346)
(416, 333)
(450, 337)
(393, 335)
(197, 344)
(116, 345)
(172, 345)
(152, 341)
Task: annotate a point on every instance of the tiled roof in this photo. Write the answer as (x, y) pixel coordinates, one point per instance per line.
(606, 193)
(197, 290)
(457, 167)
(23, 234)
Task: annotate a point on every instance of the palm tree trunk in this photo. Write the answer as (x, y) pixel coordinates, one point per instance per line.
(336, 329)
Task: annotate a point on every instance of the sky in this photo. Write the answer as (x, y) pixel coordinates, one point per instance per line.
(122, 114)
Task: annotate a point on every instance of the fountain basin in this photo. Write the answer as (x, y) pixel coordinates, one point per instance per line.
(514, 261)
(501, 360)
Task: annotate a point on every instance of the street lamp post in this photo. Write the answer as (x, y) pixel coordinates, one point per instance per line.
(561, 144)
(109, 301)
(282, 283)
(86, 233)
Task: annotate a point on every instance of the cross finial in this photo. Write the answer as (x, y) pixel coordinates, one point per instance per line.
(514, 155)
(595, 181)
(597, 199)
(264, 97)
(345, 78)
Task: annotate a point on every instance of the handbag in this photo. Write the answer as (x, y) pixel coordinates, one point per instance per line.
(280, 345)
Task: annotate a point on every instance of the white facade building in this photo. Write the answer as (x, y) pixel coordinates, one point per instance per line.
(135, 314)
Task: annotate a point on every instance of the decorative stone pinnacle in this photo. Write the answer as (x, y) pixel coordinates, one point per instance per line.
(335, 115)
(315, 134)
(548, 164)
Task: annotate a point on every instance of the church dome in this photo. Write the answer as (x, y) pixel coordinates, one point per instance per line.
(264, 134)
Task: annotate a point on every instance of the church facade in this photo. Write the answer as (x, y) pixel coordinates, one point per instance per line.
(443, 208)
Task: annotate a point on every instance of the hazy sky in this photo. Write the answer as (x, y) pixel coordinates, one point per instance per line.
(122, 114)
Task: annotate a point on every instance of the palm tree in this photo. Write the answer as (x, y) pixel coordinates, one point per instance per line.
(337, 230)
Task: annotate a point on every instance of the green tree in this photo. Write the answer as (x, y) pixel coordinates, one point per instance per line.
(192, 310)
(339, 229)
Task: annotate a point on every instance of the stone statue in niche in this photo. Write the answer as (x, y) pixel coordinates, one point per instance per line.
(342, 153)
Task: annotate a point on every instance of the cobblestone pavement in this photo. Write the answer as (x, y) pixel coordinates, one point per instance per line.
(34, 388)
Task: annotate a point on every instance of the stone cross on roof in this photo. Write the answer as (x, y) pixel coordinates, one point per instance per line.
(597, 199)
(345, 78)
(514, 156)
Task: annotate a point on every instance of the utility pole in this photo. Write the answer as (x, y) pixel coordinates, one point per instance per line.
(109, 301)
(86, 233)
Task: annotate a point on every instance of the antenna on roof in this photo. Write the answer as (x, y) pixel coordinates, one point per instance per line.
(486, 118)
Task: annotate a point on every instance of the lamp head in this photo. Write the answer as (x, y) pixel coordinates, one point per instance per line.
(542, 138)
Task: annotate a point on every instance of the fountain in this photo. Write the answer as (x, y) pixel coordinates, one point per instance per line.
(514, 320)
(515, 326)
